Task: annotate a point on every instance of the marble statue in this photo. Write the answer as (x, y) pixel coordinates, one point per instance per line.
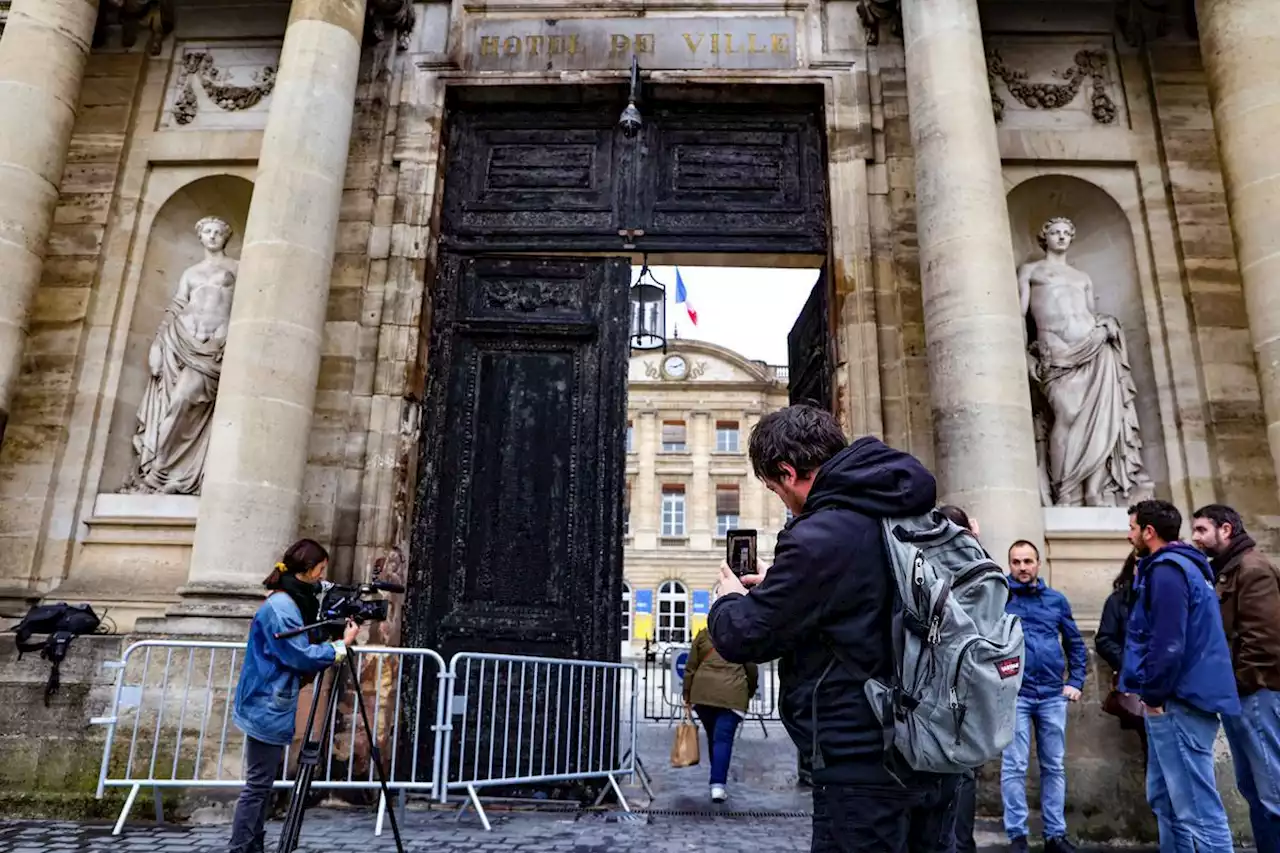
(185, 363)
(1091, 450)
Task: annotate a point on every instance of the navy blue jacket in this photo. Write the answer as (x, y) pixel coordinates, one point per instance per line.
(1175, 647)
(1047, 624)
(830, 582)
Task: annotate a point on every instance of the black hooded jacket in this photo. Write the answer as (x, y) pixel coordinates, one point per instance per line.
(830, 582)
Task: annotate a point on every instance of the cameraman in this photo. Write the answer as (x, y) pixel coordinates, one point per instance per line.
(271, 678)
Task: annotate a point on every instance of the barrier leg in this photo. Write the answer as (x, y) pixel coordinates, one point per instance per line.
(124, 811)
(475, 801)
(159, 803)
(622, 801)
(644, 778)
(382, 814)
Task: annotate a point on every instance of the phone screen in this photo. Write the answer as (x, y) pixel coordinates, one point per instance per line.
(740, 546)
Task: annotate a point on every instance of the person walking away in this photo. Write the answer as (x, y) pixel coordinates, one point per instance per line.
(1109, 644)
(1176, 660)
(1052, 678)
(1248, 587)
(967, 794)
(831, 586)
(719, 693)
(266, 702)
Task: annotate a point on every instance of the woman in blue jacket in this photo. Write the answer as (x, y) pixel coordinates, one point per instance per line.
(271, 678)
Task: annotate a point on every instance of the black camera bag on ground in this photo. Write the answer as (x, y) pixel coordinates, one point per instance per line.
(62, 623)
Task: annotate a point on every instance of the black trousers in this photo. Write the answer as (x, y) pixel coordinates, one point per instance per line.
(262, 762)
(885, 818)
(966, 808)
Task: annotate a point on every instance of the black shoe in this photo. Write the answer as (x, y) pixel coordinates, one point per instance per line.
(1058, 844)
(1018, 845)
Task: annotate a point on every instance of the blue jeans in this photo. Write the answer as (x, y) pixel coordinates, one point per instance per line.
(1255, 749)
(1049, 719)
(1181, 787)
(720, 725)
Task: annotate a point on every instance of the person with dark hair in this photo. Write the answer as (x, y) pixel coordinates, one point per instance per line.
(1051, 678)
(1177, 661)
(1248, 586)
(831, 586)
(271, 676)
(967, 793)
(1109, 643)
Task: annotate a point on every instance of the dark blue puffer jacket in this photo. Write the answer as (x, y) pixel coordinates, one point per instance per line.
(1047, 624)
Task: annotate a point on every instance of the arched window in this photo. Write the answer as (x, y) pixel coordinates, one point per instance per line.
(626, 612)
(673, 612)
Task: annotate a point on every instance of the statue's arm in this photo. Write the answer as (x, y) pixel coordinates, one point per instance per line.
(1024, 287)
(181, 298)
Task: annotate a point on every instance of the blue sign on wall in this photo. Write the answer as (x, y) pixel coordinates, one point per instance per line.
(644, 602)
(701, 602)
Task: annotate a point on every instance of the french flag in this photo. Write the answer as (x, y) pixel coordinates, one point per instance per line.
(682, 298)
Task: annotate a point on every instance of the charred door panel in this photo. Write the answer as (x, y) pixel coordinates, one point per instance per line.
(518, 543)
(729, 179)
(521, 178)
(809, 351)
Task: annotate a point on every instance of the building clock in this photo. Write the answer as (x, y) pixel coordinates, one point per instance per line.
(675, 367)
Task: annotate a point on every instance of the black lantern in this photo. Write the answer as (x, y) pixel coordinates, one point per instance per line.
(648, 311)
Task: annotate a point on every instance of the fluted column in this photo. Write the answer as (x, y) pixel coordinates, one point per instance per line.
(252, 492)
(1240, 43)
(986, 457)
(42, 58)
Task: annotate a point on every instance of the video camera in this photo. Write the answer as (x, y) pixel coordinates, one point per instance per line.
(355, 602)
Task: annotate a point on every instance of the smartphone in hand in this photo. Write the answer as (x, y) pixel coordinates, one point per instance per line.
(740, 548)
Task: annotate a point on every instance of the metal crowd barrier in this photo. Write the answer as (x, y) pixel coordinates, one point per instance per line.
(483, 721)
(664, 694)
(526, 720)
(169, 724)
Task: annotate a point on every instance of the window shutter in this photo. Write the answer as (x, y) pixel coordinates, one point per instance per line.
(673, 432)
(727, 502)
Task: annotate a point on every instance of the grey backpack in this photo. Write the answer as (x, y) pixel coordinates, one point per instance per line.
(951, 701)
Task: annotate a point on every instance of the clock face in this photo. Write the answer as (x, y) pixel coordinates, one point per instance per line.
(675, 366)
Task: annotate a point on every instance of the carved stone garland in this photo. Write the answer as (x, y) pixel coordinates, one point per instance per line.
(230, 97)
(1089, 64)
(391, 16)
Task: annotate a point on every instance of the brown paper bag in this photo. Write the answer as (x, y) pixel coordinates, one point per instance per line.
(684, 752)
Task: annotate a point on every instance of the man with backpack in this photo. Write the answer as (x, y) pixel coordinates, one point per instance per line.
(826, 607)
(1053, 678)
(1177, 660)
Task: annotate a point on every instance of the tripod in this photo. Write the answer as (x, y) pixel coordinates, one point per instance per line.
(309, 758)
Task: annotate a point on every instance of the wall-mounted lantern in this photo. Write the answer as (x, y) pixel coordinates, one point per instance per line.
(648, 311)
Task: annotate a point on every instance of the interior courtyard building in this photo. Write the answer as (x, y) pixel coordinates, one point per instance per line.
(360, 270)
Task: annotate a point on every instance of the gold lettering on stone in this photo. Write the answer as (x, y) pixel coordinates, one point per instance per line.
(533, 44)
(644, 42)
(693, 45)
(715, 42)
(511, 47)
(752, 47)
(573, 44)
(489, 45)
(779, 43)
(728, 44)
(619, 44)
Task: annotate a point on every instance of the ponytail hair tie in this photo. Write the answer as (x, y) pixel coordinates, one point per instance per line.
(280, 567)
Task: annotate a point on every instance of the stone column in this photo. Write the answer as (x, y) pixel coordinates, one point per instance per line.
(42, 58)
(252, 493)
(986, 459)
(1240, 43)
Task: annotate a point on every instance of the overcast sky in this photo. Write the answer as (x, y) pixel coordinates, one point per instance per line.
(747, 309)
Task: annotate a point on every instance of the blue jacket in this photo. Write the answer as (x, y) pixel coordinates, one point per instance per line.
(1175, 647)
(1047, 624)
(271, 677)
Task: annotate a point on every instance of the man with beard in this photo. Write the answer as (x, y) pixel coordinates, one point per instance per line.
(1248, 587)
(831, 583)
(1176, 661)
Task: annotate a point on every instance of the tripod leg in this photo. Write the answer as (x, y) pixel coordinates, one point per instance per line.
(375, 754)
(308, 760)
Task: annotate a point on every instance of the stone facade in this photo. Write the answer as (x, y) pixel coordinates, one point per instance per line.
(1112, 126)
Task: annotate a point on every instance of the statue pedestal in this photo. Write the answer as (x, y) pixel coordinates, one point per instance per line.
(1086, 546)
(134, 558)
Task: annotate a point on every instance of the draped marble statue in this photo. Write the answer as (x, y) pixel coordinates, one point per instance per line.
(185, 363)
(1091, 447)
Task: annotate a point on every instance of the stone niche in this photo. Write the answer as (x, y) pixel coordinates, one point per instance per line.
(1087, 545)
(136, 551)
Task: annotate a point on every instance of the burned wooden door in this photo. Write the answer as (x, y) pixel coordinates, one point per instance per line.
(518, 540)
(809, 350)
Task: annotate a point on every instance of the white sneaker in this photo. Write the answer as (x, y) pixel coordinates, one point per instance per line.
(718, 794)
